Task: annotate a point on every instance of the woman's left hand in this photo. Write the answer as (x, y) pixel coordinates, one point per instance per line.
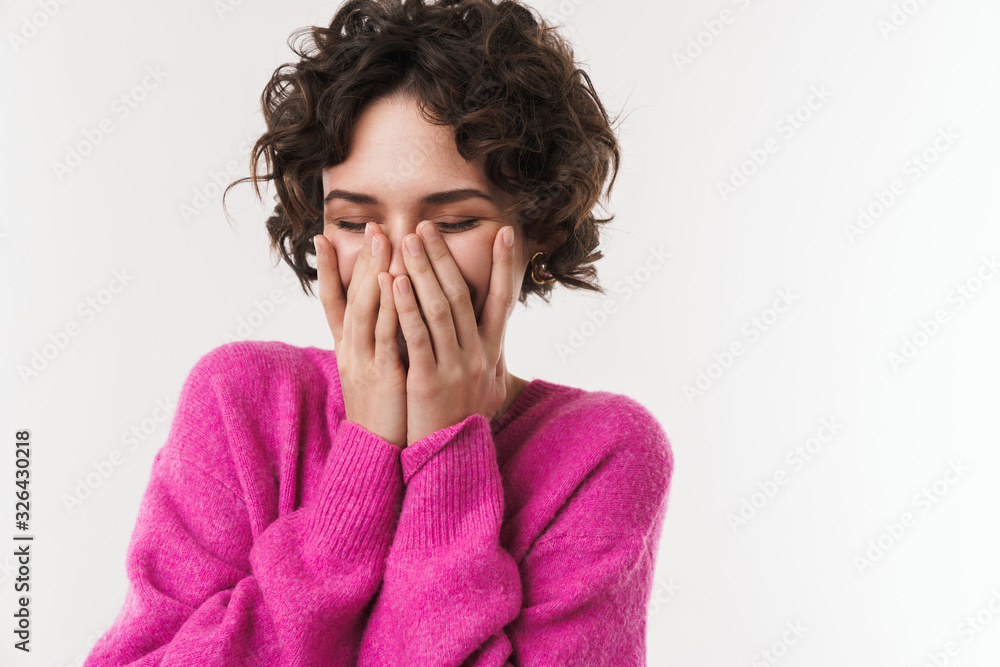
(456, 367)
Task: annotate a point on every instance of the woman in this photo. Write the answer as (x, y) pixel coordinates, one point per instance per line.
(407, 500)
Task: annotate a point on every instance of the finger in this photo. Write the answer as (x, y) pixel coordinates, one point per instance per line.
(418, 341)
(361, 262)
(386, 350)
(501, 298)
(428, 293)
(331, 292)
(350, 294)
(364, 302)
(451, 282)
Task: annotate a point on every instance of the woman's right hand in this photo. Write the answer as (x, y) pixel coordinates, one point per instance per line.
(363, 323)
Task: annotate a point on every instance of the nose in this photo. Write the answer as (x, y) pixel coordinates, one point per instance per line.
(396, 265)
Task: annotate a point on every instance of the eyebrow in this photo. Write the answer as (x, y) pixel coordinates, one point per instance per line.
(446, 197)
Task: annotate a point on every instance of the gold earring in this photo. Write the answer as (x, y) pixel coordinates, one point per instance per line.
(538, 272)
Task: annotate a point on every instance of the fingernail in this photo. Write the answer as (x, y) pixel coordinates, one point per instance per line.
(316, 246)
(508, 237)
(427, 230)
(404, 286)
(376, 244)
(413, 245)
(368, 232)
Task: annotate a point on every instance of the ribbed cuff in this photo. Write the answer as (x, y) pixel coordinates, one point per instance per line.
(359, 495)
(453, 486)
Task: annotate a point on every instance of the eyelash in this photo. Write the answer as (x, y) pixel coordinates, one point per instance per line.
(448, 226)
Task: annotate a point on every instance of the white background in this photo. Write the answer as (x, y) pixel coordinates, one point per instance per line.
(723, 593)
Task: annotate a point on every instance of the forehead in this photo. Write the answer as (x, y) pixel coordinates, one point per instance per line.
(396, 152)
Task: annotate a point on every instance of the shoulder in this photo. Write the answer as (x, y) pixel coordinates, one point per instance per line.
(261, 369)
(256, 359)
(608, 424)
(252, 386)
(608, 464)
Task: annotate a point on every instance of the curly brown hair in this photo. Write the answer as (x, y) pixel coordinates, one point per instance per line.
(497, 74)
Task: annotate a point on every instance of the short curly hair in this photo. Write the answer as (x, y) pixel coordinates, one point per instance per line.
(495, 72)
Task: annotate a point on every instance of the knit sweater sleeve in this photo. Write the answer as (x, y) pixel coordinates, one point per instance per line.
(449, 587)
(202, 590)
(589, 575)
(453, 595)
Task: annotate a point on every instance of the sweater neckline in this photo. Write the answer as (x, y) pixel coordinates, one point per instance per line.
(534, 390)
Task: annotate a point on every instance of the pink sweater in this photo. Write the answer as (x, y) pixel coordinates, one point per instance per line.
(275, 532)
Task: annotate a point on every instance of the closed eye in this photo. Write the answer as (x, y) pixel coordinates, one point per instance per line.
(443, 226)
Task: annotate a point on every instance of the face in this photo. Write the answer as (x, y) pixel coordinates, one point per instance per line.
(396, 175)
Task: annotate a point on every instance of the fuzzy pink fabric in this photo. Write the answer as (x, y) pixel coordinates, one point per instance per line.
(275, 532)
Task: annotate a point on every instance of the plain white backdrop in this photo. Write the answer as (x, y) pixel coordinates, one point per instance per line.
(820, 345)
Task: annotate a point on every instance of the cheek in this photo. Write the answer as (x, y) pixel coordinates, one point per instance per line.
(347, 256)
(346, 271)
(475, 263)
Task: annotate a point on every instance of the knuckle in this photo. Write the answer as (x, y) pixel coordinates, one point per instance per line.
(455, 377)
(420, 341)
(457, 292)
(438, 311)
(461, 297)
